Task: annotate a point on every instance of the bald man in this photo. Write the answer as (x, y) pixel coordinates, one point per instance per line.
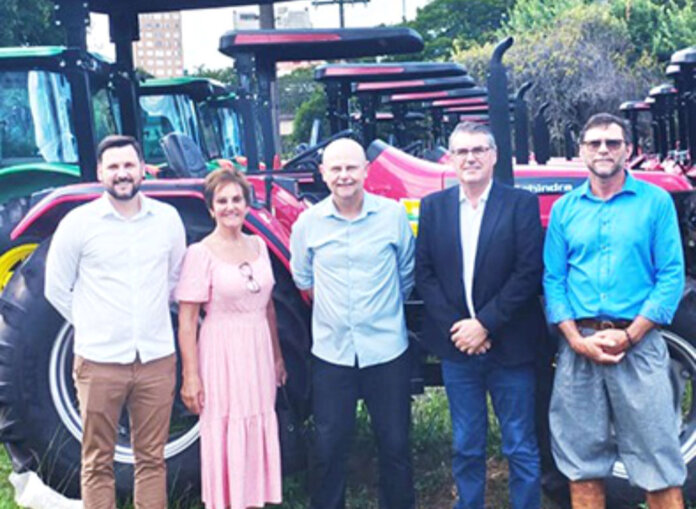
(353, 252)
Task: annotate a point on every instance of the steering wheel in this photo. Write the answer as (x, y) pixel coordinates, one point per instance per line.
(307, 160)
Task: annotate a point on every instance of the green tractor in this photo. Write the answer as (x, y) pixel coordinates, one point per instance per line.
(41, 139)
(45, 89)
(201, 108)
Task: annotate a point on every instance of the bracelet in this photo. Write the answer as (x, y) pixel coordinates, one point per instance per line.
(629, 338)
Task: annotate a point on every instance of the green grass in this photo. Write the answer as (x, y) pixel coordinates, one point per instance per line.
(431, 447)
(6, 489)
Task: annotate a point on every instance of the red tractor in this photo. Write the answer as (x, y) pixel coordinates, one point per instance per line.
(39, 421)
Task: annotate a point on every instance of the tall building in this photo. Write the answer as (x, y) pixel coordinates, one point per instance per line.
(159, 50)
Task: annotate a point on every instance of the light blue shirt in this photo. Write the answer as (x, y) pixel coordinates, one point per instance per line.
(361, 270)
(614, 259)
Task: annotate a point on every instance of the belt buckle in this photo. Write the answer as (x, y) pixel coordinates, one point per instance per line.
(606, 324)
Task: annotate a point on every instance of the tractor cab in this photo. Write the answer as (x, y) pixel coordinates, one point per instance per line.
(44, 91)
(631, 111)
(200, 108)
(367, 83)
(257, 52)
(672, 108)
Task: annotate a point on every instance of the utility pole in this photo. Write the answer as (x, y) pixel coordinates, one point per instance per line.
(341, 3)
(266, 22)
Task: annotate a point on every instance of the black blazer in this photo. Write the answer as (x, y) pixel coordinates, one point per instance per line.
(507, 273)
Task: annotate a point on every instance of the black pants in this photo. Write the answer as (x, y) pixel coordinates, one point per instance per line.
(386, 391)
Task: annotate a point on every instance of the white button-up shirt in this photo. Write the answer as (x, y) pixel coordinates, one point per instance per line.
(113, 279)
(470, 227)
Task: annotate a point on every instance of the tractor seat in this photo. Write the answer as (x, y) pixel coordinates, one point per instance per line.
(184, 157)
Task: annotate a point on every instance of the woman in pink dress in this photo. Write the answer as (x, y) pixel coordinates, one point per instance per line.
(230, 375)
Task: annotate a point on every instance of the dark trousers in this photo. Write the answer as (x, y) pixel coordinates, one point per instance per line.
(386, 391)
(512, 393)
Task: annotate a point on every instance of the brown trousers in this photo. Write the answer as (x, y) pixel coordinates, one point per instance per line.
(147, 391)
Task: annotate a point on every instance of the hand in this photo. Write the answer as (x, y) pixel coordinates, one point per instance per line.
(618, 338)
(192, 393)
(469, 336)
(280, 373)
(598, 348)
(481, 349)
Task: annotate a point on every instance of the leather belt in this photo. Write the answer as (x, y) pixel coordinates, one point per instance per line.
(596, 324)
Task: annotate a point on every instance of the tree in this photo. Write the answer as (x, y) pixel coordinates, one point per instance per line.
(580, 58)
(311, 109)
(658, 28)
(28, 22)
(296, 88)
(442, 22)
(227, 76)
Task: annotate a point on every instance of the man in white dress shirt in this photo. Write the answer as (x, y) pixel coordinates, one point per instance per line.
(111, 270)
(478, 271)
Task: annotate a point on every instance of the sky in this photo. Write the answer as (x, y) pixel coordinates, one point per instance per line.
(201, 30)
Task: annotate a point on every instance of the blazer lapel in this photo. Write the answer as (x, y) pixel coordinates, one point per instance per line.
(490, 219)
(453, 242)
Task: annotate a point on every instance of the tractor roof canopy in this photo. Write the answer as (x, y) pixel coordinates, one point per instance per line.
(321, 44)
(139, 6)
(684, 57)
(361, 72)
(52, 58)
(634, 106)
(664, 89)
(416, 85)
(473, 93)
(199, 89)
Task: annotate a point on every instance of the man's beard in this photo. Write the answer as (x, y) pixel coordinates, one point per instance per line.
(618, 167)
(127, 196)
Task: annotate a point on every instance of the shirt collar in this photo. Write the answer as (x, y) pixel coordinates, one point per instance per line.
(630, 186)
(328, 207)
(105, 207)
(482, 199)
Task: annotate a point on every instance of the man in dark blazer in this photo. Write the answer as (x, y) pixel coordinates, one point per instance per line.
(478, 271)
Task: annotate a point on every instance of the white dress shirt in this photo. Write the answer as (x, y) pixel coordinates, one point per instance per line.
(470, 228)
(113, 279)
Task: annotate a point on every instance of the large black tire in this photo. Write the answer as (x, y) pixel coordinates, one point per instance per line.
(681, 342)
(39, 420)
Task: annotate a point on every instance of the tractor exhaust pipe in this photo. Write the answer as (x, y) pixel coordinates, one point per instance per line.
(499, 111)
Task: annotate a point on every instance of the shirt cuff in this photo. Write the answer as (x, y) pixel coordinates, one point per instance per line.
(303, 283)
(657, 313)
(559, 312)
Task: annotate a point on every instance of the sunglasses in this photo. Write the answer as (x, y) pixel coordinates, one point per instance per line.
(612, 145)
(477, 152)
(246, 271)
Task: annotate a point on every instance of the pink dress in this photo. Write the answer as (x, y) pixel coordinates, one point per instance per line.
(240, 453)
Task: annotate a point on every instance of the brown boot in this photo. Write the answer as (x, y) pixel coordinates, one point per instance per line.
(587, 494)
(670, 498)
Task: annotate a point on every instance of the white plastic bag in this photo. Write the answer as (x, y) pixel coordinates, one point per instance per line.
(32, 493)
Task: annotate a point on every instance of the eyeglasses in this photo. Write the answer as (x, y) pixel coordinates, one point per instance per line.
(246, 271)
(477, 152)
(612, 145)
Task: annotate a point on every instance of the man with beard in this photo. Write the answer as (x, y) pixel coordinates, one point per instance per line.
(111, 269)
(614, 272)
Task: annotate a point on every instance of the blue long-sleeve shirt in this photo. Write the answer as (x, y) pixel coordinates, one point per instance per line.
(361, 270)
(613, 259)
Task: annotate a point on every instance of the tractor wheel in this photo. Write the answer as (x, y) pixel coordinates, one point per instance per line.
(39, 418)
(12, 254)
(681, 342)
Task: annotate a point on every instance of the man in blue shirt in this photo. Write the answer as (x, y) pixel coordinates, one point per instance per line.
(614, 270)
(353, 252)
